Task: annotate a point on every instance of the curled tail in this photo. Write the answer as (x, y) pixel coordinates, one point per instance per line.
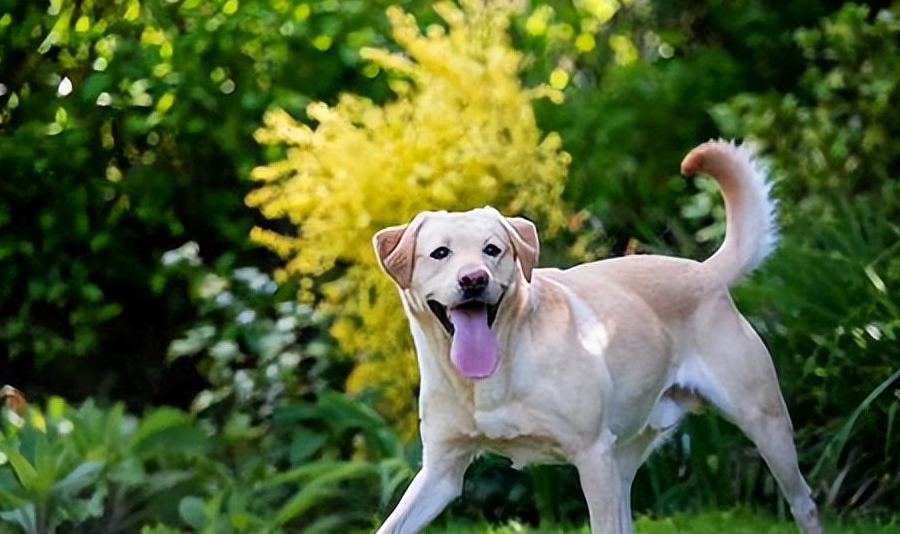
(751, 230)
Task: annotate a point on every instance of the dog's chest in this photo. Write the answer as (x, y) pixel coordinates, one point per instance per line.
(521, 439)
(496, 411)
(499, 424)
(514, 429)
(491, 393)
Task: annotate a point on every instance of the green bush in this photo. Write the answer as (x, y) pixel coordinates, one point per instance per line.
(319, 466)
(255, 346)
(825, 301)
(270, 447)
(86, 469)
(126, 129)
(295, 453)
(627, 126)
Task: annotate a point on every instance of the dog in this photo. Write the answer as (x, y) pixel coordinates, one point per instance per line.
(592, 365)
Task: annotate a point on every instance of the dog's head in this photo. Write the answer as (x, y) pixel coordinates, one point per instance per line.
(462, 265)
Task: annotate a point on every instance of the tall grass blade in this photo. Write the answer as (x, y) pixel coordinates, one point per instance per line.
(836, 445)
(320, 488)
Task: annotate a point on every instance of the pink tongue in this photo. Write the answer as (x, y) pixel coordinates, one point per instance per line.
(474, 348)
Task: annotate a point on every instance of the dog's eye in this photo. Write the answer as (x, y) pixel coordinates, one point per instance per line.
(440, 253)
(491, 250)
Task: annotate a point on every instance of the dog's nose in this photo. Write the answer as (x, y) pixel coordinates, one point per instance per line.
(473, 281)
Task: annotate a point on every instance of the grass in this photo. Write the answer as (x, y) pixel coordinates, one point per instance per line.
(740, 521)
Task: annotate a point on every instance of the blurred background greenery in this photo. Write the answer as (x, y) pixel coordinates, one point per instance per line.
(200, 396)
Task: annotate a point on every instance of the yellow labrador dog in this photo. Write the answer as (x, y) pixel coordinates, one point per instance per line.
(591, 365)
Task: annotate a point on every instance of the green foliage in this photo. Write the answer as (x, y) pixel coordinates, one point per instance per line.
(75, 470)
(126, 129)
(825, 304)
(317, 467)
(627, 125)
(255, 346)
(307, 454)
(88, 469)
(839, 125)
(832, 287)
(629, 142)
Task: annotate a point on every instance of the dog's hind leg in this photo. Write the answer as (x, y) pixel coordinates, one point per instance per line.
(438, 482)
(629, 458)
(773, 437)
(599, 473)
(737, 376)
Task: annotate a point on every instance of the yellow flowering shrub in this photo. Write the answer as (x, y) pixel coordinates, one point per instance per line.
(460, 133)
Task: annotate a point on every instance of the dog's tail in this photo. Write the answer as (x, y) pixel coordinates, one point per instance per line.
(751, 230)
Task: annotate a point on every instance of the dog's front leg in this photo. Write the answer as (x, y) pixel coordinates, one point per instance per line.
(438, 482)
(600, 482)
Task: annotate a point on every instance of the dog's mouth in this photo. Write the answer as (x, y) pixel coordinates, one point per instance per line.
(473, 347)
(473, 306)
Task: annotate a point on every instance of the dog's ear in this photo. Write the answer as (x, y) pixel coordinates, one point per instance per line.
(395, 247)
(525, 242)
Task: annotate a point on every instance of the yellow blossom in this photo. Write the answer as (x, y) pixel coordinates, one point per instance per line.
(460, 133)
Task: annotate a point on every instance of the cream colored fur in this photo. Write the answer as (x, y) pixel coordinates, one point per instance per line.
(597, 363)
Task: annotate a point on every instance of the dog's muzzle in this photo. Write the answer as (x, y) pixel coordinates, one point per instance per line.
(441, 313)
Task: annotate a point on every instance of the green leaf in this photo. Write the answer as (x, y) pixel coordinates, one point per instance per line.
(875, 279)
(79, 478)
(129, 472)
(304, 444)
(168, 431)
(11, 500)
(77, 511)
(193, 512)
(837, 443)
(46, 465)
(28, 476)
(164, 480)
(320, 488)
(25, 517)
